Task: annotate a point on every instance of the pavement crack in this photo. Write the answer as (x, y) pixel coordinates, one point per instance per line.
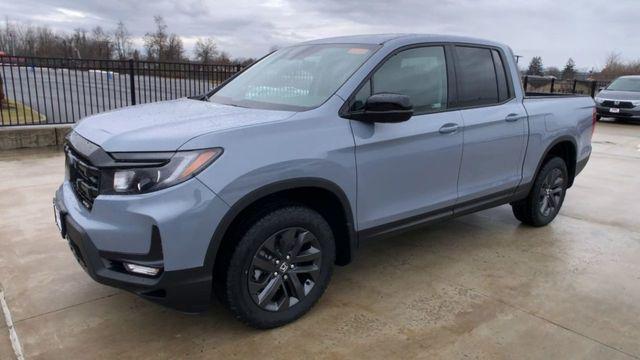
(66, 307)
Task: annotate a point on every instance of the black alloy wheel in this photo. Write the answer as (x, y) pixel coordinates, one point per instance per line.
(546, 196)
(551, 192)
(285, 269)
(279, 266)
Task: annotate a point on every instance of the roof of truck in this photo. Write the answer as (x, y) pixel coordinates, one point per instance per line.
(402, 38)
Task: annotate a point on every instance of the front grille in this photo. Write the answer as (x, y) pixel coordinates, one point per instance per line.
(620, 104)
(84, 178)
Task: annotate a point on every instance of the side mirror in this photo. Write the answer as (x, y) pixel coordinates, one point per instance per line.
(385, 108)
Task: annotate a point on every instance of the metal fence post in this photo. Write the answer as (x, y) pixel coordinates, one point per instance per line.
(132, 83)
(553, 81)
(593, 88)
(524, 85)
(573, 89)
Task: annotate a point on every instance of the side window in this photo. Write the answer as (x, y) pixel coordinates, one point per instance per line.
(419, 73)
(503, 86)
(476, 77)
(361, 97)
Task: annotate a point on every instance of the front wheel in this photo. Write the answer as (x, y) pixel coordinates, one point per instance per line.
(280, 267)
(545, 199)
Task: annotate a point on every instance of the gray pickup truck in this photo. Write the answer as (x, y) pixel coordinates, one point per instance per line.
(254, 191)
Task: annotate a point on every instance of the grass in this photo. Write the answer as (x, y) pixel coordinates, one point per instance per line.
(16, 113)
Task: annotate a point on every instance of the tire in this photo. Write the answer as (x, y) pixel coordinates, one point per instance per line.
(547, 194)
(598, 117)
(263, 287)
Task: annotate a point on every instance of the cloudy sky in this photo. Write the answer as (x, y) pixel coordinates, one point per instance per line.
(586, 30)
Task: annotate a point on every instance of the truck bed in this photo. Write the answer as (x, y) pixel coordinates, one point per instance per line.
(553, 114)
(529, 95)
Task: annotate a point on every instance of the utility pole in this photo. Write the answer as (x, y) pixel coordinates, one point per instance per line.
(517, 58)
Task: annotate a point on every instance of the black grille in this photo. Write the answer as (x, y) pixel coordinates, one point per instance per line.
(84, 178)
(620, 104)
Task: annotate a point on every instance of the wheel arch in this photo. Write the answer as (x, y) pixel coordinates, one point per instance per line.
(566, 148)
(320, 194)
(563, 146)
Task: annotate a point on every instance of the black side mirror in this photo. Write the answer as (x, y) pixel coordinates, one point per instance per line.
(385, 108)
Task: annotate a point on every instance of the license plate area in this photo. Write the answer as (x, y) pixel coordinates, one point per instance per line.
(614, 110)
(58, 217)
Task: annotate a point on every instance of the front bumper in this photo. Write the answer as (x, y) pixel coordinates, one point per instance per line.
(169, 229)
(624, 113)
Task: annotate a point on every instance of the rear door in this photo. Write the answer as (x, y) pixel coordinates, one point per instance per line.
(494, 124)
(408, 170)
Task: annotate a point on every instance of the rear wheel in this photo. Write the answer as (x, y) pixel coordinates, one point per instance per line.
(545, 199)
(280, 267)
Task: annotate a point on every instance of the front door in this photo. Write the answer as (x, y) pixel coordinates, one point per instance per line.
(409, 169)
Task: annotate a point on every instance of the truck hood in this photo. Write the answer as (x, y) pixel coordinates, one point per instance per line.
(167, 125)
(619, 95)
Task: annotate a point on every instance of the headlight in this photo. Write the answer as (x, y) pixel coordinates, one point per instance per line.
(598, 99)
(636, 102)
(182, 166)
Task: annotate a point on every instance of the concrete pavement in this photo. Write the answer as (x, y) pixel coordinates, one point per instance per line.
(481, 286)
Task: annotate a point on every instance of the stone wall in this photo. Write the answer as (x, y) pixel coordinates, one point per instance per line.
(32, 136)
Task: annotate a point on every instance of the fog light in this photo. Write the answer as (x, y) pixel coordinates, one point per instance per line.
(143, 270)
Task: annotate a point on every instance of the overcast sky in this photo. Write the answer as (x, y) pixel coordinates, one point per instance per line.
(586, 30)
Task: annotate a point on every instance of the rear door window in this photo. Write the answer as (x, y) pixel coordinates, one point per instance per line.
(476, 76)
(501, 73)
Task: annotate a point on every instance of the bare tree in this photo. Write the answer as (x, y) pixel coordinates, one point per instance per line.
(28, 40)
(205, 50)
(122, 41)
(97, 43)
(102, 46)
(244, 61)
(615, 67)
(222, 58)
(161, 45)
(155, 43)
(569, 71)
(535, 66)
(175, 49)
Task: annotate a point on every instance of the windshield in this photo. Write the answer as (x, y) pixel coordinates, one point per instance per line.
(625, 84)
(295, 78)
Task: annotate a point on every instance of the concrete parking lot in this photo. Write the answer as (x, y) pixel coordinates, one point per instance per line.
(481, 286)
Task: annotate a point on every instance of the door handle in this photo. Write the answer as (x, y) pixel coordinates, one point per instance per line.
(448, 128)
(512, 117)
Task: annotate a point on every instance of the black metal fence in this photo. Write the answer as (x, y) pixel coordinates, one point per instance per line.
(542, 84)
(49, 91)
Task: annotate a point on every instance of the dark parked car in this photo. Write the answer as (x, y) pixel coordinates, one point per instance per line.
(621, 99)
